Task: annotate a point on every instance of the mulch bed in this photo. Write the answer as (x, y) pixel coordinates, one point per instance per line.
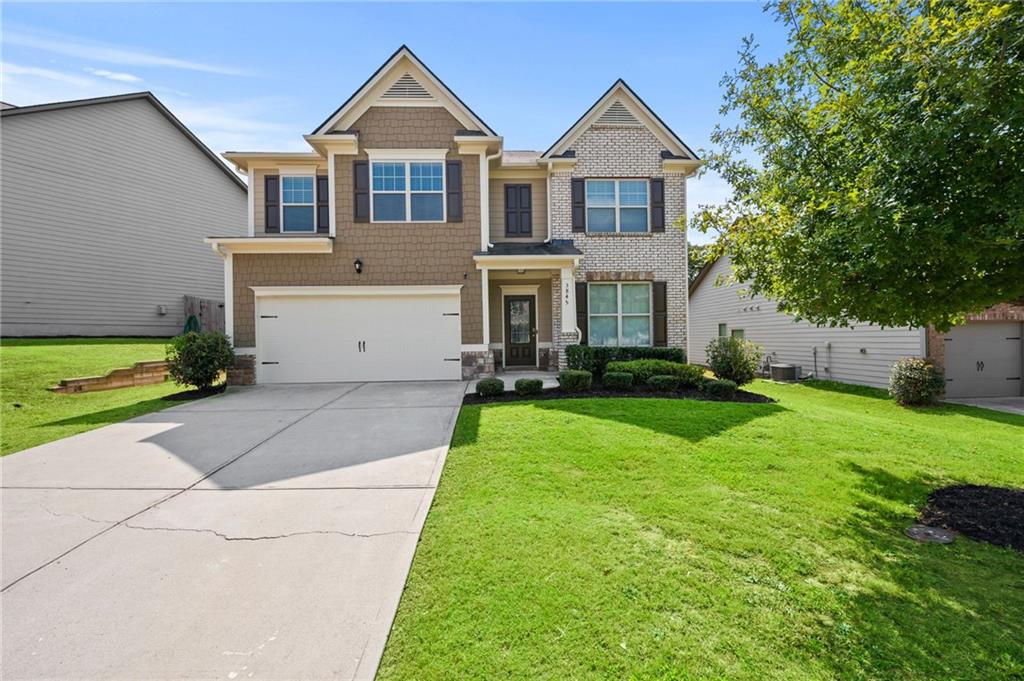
(989, 514)
(600, 391)
(195, 394)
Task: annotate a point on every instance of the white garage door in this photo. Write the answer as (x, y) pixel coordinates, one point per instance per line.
(983, 359)
(325, 338)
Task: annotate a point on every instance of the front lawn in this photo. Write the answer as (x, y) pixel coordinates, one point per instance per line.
(670, 539)
(33, 415)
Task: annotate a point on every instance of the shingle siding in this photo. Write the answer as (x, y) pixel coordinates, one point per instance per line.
(104, 212)
(786, 340)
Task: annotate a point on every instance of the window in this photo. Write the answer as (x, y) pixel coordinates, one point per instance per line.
(619, 314)
(737, 333)
(408, 191)
(723, 330)
(616, 206)
(297, 207)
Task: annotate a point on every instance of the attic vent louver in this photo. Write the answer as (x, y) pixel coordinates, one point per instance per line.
(406, 87)
(617, 114)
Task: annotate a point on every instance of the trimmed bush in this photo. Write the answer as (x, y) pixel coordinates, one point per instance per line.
(734, 359)
(575, 380)
(617, 380)
(595, 358)
(915, 381)
(721, 388)
(490, 387)
(199, 358)
(642, 370)
(664, 383)
(529, 386)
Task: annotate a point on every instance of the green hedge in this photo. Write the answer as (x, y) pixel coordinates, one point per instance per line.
(721, 388)
(642, 369)
(529, 386)
(617, 380)
(666, 383)
(490, 387)
(575, 380)
(595, 358)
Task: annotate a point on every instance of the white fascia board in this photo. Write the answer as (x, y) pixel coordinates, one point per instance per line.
(406, 154)
(361, 291)
(347, 144)
(525, 262)
(265, 244)
(243, 160)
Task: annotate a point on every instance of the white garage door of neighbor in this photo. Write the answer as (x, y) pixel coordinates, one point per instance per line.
(983, 359)
(314, 339)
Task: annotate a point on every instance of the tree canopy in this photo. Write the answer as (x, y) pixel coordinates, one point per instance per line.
(878, 165)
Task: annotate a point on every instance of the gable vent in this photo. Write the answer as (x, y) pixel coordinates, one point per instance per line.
(617, 114)
(406, 87)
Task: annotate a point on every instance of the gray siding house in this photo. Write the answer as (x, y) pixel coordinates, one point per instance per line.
(982, 358)
(104, 204)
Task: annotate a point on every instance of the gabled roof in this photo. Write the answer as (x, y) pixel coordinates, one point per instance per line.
(619, 104)
(145, 95)
(397, 79)
(702, 275)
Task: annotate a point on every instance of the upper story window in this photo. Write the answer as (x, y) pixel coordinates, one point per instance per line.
(617, 206)
(407, 191)
(619, 314)
(297, 204)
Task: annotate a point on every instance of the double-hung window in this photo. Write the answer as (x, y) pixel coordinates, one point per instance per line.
(408, 191)
(619, 314)
(297, 203)
(617, 206)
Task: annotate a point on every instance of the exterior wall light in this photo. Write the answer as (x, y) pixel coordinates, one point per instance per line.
(358, 264)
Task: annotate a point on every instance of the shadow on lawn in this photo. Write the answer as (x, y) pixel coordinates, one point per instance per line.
(113, 415)
(924, 610)
(692, 420)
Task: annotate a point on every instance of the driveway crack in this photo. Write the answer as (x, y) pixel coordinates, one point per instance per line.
(288, 535)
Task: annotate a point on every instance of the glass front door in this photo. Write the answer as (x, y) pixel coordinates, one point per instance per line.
(520, 331)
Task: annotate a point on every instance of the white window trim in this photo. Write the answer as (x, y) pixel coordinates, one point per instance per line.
(617, 206)
(619, 314)
(281, 207)
(408, 191)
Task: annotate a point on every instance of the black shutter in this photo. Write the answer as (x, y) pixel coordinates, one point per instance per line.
(518, 210)
(581, 311)
(657, 204)
(361, 191)
(579, 205)
(272, 204)
(659, 289)
(323, 205)
(453, 184)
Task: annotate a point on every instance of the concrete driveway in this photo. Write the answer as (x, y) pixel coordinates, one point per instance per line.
(1009, 405)
(264, 533)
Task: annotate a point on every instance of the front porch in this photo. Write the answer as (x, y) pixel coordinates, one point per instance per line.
(528, 305)
(510, 376)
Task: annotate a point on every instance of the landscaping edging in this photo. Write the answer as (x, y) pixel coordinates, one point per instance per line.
(140, 373)
(598, 391)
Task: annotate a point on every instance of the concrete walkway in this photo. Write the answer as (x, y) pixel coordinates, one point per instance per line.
(264, 533)
(1010, 405)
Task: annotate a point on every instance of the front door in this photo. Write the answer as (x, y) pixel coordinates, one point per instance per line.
(520, 331)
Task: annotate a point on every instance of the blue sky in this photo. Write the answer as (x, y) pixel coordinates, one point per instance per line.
(258, 76)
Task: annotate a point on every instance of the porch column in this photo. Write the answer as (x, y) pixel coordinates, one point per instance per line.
(568, 297)
(486, 304)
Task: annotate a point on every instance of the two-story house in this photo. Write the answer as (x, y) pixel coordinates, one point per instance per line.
(409, 244)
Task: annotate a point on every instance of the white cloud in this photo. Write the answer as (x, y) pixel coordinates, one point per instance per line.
(13, 71)
(118, 76)
(74, 47)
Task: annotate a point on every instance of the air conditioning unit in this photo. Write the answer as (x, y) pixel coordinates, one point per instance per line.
(785, 372)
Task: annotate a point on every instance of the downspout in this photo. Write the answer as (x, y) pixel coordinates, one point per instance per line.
(547, 193)
(485, 198)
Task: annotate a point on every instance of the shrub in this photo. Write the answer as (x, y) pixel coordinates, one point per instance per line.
(198, 358)
(617, 380)
(643, 369)
(595, 358)
(529, 386)
(734, 359)
(490, 387)
(664, 383)
(915, 381)
(575, 380)
(720, 388)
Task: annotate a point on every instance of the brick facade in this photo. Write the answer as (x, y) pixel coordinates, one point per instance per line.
(392, 253)
(624, 152)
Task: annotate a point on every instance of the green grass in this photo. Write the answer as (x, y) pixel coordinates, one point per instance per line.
(670, 539)
(29, 366)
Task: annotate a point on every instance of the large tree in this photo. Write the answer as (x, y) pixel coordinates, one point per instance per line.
(878, 165)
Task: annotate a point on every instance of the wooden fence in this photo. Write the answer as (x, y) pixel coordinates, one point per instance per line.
(210, 313)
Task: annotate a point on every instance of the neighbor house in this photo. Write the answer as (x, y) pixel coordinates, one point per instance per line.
(408, 243)
(980, 359)
(105, 203)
